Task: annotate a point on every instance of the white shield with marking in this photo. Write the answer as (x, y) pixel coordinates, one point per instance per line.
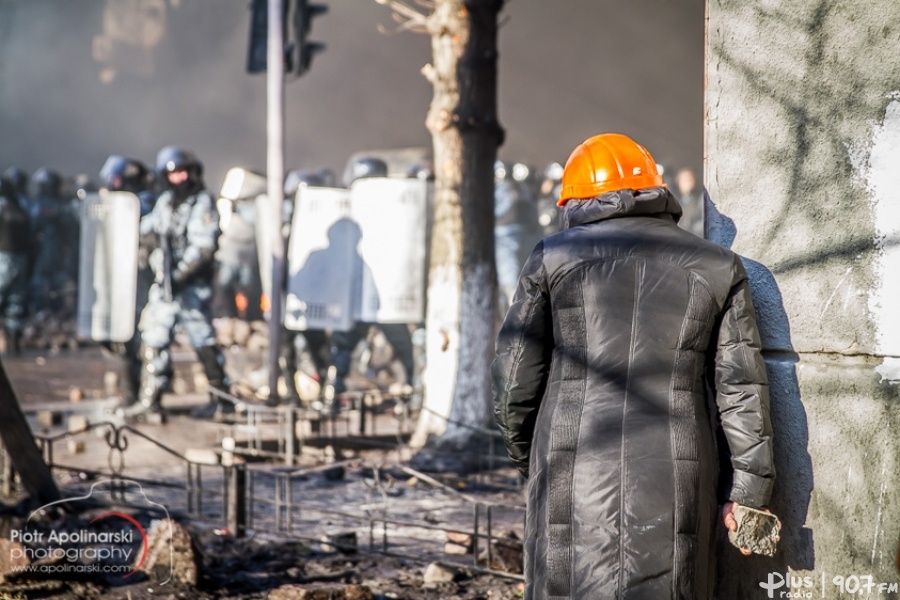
(324, 268)
(392, 214)
(241, 185)
(107, 275)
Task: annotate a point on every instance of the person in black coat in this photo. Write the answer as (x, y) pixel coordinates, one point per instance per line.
(618, 324)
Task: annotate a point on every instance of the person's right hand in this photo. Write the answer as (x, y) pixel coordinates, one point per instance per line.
(730, 522)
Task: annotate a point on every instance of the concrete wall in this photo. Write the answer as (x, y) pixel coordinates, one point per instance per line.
(803, 171)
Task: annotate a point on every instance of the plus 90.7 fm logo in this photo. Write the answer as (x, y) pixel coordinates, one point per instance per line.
(787, 585)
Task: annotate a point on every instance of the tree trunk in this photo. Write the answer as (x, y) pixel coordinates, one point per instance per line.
(462, 289)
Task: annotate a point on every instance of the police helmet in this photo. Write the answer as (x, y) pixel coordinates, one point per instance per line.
(45, 183)
(423, 169)
(367, 166)
(120, 173)
(18, 177)
(298, 177)
(173, 158)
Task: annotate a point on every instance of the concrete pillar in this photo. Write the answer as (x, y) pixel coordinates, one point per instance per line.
(803, 169)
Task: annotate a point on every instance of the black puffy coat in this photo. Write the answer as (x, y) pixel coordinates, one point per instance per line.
(618, 324)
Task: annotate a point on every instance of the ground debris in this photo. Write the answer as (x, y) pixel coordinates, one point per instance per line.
(507, 554)
(458, 543)
(172, 554)
(321, 592)
(256, 566)
(12, 558)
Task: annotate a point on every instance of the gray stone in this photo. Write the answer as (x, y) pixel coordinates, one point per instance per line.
(171, 554)
(257, 342)
(77, 423)
(241, 332)
(757, 531)
(344, 542)
(458, 543)
(74, 446)
(49, 418)
(436, 573)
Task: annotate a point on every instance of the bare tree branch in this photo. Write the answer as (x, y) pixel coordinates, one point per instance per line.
(409, 18)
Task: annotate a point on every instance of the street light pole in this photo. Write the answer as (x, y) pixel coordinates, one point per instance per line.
(275, 171)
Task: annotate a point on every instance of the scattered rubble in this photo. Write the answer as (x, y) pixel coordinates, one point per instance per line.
(171, 554)
(507, 554)
(458, 543)
(321, 592)
(12, 558)
(209, 563)
(436, 573)
(197, 562)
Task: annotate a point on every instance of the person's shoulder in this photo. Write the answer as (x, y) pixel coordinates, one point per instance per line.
(554, 240)
(716, 262)
(712, 248)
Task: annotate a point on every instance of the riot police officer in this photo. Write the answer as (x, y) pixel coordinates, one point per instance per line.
(18, 177)
(313, 341)
(515, 227)
(549, 215)
(183, 229)
(237, 261)
(48, 220)
(15, 242)
(397, 334)
(123, 174)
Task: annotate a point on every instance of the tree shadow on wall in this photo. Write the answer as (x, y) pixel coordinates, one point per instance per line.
(739, 576)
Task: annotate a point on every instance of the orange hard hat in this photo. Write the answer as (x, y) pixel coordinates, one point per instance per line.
(606, 163)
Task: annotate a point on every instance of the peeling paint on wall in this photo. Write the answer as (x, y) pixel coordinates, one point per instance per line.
(879, 170)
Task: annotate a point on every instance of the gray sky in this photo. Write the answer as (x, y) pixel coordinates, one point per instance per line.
(568, 70)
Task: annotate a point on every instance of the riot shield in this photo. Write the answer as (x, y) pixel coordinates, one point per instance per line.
(107, 274)
(392, 215)
(241, 185)
(324, 268)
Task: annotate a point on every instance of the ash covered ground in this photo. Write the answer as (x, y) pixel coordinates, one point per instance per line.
(269, 562)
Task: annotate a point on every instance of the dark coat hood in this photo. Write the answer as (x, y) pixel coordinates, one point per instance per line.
(622, 203)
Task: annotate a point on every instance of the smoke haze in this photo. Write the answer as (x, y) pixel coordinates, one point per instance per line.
(83, 79)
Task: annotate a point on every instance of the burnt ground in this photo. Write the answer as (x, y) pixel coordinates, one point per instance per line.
(75, 377)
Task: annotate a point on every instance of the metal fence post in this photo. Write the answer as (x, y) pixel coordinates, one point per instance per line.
(290, 436)
(236, 500)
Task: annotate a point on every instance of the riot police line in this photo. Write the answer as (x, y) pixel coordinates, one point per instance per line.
(355, 258)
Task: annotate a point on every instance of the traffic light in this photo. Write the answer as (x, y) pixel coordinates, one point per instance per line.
(300, 49)
(257, 54)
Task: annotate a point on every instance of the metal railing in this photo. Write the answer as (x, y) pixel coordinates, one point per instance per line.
(264, 497)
